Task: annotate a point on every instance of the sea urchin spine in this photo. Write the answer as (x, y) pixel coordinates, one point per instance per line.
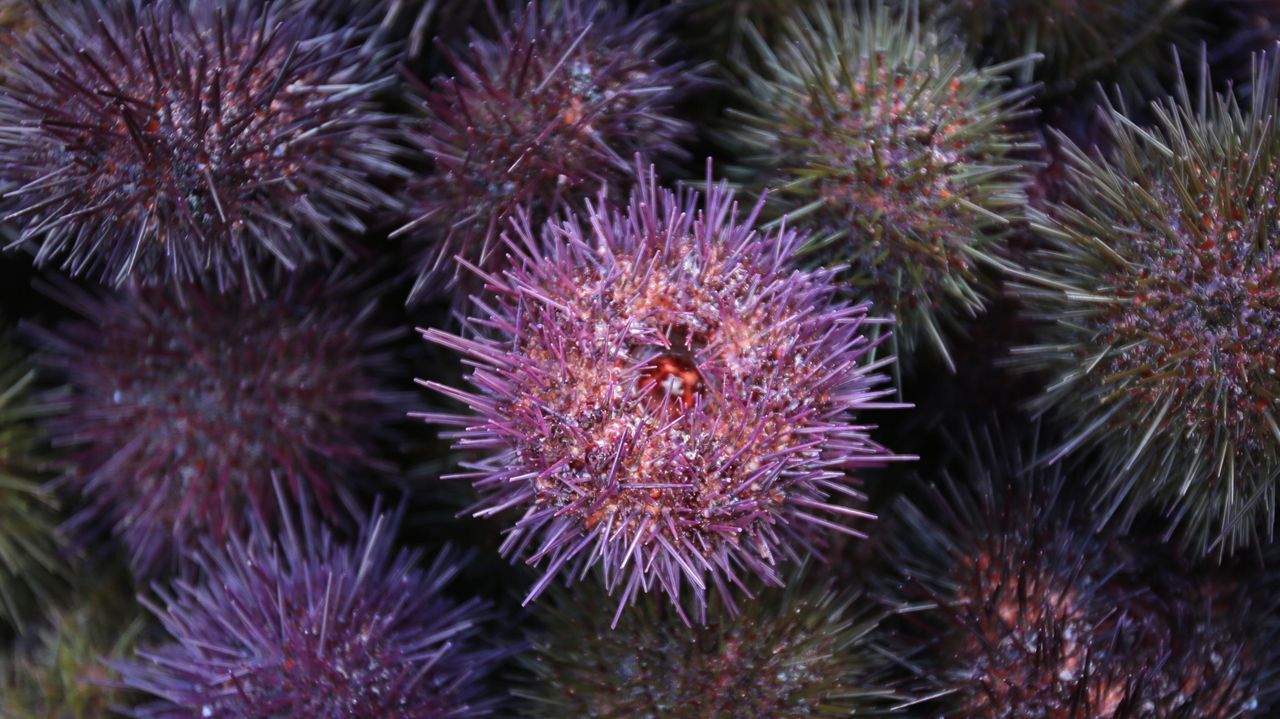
(180, 140)
(662, 394)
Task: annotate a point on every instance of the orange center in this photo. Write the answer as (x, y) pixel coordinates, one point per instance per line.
(675, 377)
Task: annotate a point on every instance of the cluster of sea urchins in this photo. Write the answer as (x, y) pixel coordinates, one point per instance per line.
(181, 406)
(661, 393)
(298, 624)
(1162, 284)
(1020, 609)
(541, 116)
(875, 132)
(184, 140)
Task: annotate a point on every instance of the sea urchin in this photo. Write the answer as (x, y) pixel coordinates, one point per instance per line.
(899, 156)
(177, 140)
(662, 394)
(548, 111)
(1160, 300)
(183, 406)
(308, 627)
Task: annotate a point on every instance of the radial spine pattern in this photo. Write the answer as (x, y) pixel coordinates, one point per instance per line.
(877, 134)
(181, 140)
(1160, 300)
(795, 653)
(308, 627)
(661, 394)
(538, 117)
(182, 407)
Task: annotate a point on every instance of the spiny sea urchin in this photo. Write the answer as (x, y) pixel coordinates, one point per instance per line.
(1125, 43)
(1160, 300)
(881, 138)
(1026, 622)
(61, 670)
(1037, 615)
(662, 394)
(29, 541)
(177, 140)
(182, 406)
(305, 626)
(548, 111)
(796, 652)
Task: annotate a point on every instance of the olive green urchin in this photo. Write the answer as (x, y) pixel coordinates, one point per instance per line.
(879, 136)
(718, 25)
(1159, 301)
(30, 566)
(792, 652)
(63, 671)
(1123, 43)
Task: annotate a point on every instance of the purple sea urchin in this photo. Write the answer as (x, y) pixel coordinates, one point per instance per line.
(550, 110)
(794, 653)
(662, 394)
(884, 141)
(307, 627)
(1038, 615)
(178, 140)
(1161, 295)
(183, 406)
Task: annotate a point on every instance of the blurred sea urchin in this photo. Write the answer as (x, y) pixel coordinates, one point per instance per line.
(802, 651)
(180, 140)
(1159, 295)
(182, 406)
(547, 112)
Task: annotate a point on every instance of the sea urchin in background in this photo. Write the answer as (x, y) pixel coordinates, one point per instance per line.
(796, 652)
(880, 137)
(29, 542)
(1123, 43)
(183, 406)
(308, 627)
(180, 140)
(1160, 300)
(1038, 616)
(550, 110)
(662, 394)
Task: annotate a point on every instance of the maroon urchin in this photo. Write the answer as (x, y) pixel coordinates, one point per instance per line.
(1038, 615)
(178, 139)
(663, 394)
(182, 407)
(549, 111)
(307, 627)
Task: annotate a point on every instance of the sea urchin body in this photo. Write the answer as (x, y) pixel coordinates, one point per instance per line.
(178, 140)
(884, 141)
(798, 652)
(663, 395)
(550, 110)
(309, 627)
(182, 407)
(1160, 293)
